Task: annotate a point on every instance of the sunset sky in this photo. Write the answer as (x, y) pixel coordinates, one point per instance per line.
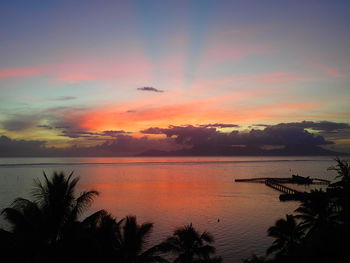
(84, 72)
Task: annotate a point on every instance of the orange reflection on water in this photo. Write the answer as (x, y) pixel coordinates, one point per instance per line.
(173, 193)
(151, 198)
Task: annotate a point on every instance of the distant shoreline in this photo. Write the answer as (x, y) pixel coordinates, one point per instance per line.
(157, 160)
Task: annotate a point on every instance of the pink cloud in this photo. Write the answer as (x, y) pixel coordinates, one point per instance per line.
(252, 79)
(333, 72)
(339, 71)
(279, 77)
(293, 106)
(20, 72)
(75, 71)
(75, 77)
(225, 52)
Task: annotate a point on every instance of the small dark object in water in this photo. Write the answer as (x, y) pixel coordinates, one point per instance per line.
(292, 197)
(287, 197)
(218, 219)
(301, 180)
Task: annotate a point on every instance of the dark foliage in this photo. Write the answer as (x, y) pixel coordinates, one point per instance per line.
(188, 245)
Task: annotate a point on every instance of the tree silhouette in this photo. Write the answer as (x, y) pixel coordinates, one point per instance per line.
(287, 233)
(343, 169)
(190, 246)
(316, 212)
(40, 226)
(254, 259)
(340, 190)
(133, 238)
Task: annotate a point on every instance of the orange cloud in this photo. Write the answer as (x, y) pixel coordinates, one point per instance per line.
(142, 118)
(221, 108)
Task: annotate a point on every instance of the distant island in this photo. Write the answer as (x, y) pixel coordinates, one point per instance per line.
(288, 150)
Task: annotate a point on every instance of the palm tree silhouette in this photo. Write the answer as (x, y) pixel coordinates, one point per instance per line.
(254, 259)
(340, 190)
(132, 241)
(287, 233)
(39, 226)
(316, 212)
(57, 200)
(101, 232)
(343, 169)
(190, 246)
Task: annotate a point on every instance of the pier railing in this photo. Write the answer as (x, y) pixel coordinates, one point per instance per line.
(279, 187)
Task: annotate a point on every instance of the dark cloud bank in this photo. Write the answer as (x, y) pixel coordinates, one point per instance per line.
(150, 89)
(64, 98)
(201, 140)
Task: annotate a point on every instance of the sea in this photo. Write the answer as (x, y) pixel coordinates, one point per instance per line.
(174, 191)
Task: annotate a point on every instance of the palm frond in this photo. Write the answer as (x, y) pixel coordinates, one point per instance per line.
(151, 255)
(83, 202)
(14, 217)
(205, 251)
(94, 218)
(275, 247)
(171, 244)
(145, 230)
(207, 237)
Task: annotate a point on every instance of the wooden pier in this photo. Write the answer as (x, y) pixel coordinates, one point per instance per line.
(284, 180)
(279, 187)
(262, 180)
(277, 184)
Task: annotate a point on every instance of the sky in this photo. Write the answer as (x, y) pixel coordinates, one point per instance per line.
(85, 73)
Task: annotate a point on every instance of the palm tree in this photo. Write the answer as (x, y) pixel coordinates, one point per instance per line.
(254, 259)
(190, 246)
(27, 231)
(42, 223)
(56, 199)
(316, 211)
(105, 228)
(132, 241)
(287, 233)
(8, 248)
(96, 238)
(215, 259)
(341, 190)
(343, 169)
(25, 217)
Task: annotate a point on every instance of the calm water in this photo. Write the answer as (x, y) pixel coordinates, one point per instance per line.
(172, 192)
